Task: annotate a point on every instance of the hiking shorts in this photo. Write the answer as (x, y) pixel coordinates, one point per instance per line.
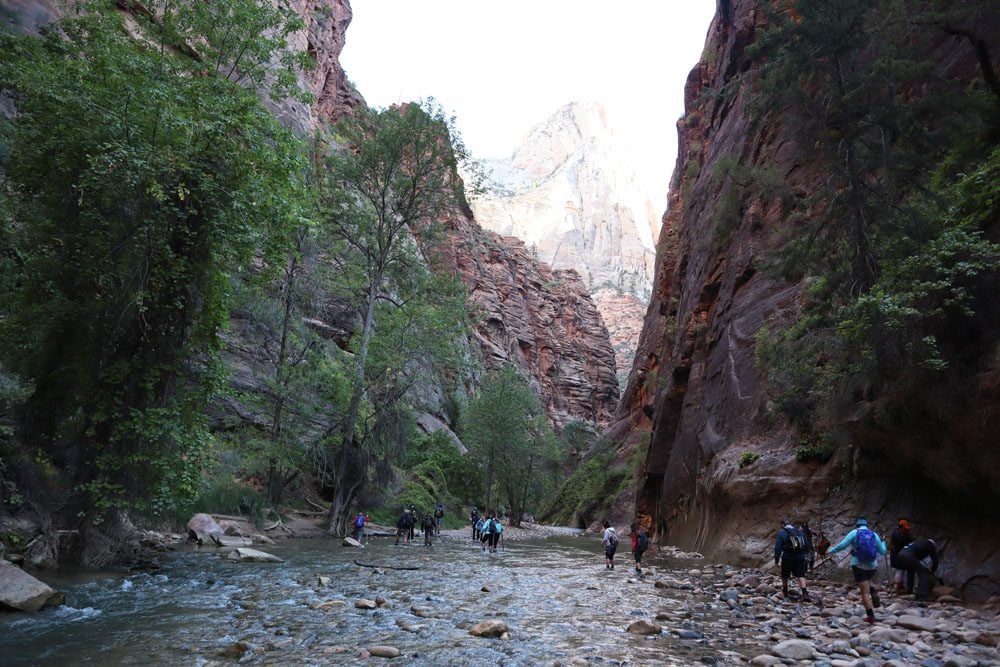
(609, 551)
(861, 574)
(793, 566)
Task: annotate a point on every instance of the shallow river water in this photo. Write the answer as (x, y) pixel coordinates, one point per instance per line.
(561, 605)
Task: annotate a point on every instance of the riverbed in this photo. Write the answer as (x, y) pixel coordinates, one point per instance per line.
(559, 602)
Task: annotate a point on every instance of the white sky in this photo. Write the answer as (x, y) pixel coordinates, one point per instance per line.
(502, 67)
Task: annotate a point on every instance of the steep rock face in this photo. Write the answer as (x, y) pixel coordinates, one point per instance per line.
(696, 399)
(323, 38)
(541, 320)
(569, 193)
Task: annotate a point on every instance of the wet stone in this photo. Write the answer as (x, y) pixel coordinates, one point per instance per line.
(645, 627)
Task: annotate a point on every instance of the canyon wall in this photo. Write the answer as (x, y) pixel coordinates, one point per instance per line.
(696, 400)
(569, 192)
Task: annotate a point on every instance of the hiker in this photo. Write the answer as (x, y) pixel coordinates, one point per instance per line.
(438, 518)
(403, 525)
(497, 525)
(911, 558)
(475, 523)
(427, 526)
(790, 551)
(486, 532)
(480, 524)
(359, 526)
(610, 545)
(900, 537)
(641, 544)
(866, 547)
(810, 551)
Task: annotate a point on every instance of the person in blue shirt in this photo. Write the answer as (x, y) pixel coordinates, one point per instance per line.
(866, 547)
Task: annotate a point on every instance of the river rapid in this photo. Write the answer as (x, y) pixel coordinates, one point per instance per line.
(560, 603)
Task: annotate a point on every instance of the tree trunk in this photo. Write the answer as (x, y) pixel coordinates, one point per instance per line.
(348, 455)
(865, 269)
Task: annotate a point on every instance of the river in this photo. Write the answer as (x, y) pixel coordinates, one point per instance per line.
(562, 607)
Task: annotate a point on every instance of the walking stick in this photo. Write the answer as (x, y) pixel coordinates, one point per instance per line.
(502, 548)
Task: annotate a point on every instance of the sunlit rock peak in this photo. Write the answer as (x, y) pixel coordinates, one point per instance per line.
(569, 193)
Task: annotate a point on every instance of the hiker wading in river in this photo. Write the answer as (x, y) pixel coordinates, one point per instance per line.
(866, 547)
(610, 545)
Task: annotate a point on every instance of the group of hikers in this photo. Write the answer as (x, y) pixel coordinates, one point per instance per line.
(487, 529)
(795, 552)
(640, 542)
(430, 524)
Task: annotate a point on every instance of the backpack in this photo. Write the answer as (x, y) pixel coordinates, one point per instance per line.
(407, 520)
(360, 521)
(613, 539)
(642, 542)
(488, 527)
(795, 541)
(866, 545)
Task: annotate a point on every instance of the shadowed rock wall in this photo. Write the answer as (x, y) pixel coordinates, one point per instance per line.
(696, 399)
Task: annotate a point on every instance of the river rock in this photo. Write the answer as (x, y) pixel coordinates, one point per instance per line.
(351, 542)
(227, 541)
(384, 651)
(201, 527)
(261, 539)
(19, 590)
(766, 660)
(364, 603)
(917, 623)
(796, 649)
(245, 555)
(887, 636)
(488, 629)
(645, 627)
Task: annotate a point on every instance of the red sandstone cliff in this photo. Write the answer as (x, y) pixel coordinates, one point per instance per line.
(541, 320)
(696, 400)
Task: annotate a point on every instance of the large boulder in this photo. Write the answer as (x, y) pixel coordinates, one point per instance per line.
(19, 590)
(202, 527)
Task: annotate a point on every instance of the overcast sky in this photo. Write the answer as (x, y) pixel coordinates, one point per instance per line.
(503, 67)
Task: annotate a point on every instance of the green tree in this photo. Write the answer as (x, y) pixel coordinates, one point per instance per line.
(508, 435)
(877, 240)
(389, 187)
(144, 172)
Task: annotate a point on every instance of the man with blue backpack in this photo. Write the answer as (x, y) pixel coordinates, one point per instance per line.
(866, 547)
(790, 548)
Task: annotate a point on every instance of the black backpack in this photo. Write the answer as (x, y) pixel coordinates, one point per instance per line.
(795, 541)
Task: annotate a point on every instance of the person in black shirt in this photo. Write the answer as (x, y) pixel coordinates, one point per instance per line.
(911, 558)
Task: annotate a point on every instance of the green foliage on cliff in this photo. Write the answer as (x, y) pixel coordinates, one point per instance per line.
(892, 245)
(143, 174)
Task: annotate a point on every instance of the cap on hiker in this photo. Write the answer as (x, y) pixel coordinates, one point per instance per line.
(861, 522)
(904, 524)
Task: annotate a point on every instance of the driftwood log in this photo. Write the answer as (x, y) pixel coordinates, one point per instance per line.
(388, 567)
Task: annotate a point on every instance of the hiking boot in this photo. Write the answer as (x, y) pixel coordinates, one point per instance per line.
(870, 620)
(805, 596)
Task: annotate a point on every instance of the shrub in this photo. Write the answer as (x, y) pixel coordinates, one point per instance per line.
(748, 458)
